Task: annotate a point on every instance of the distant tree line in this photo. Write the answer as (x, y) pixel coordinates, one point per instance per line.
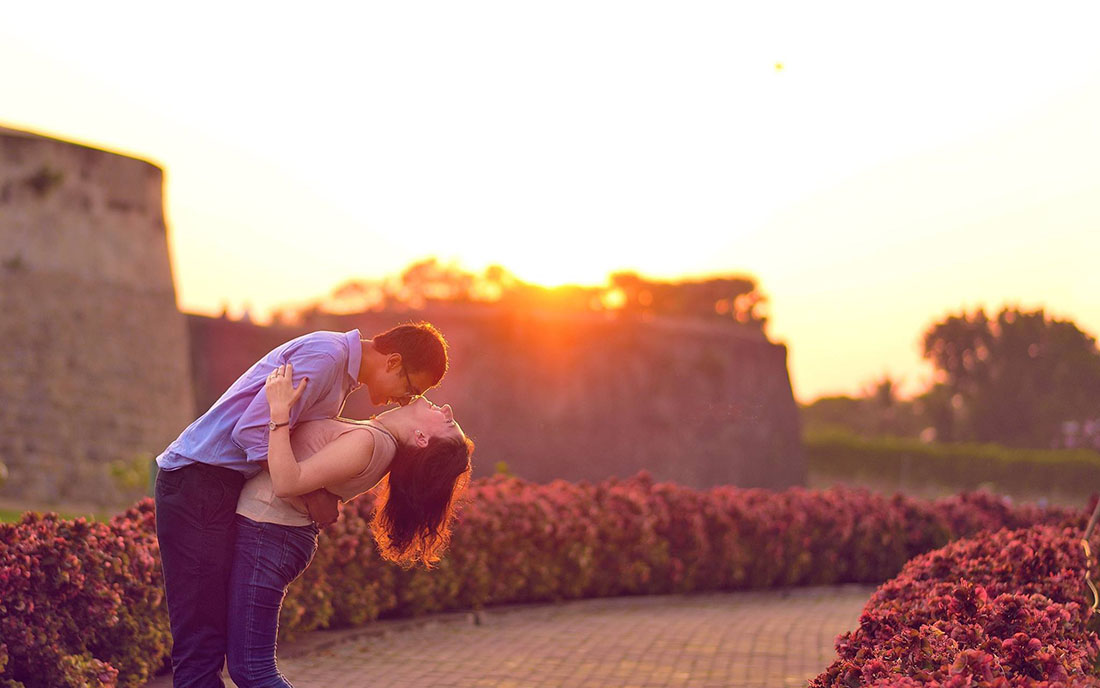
(1020, 378)
(733, 298)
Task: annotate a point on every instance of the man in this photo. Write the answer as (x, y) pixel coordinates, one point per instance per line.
(201, 473)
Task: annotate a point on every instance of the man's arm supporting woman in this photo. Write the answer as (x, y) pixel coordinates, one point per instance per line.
(323, 507)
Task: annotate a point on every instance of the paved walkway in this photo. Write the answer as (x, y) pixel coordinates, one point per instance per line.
(756, 639)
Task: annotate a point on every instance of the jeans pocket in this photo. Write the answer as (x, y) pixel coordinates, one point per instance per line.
(221, 496)
(168, 483)
(300, 544)
(217, 502)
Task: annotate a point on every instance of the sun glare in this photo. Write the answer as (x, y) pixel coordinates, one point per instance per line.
(613, 299)
(558, 273)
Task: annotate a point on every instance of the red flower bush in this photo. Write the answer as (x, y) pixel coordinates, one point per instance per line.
(1002, 609)
(521, 542)
(81, 603)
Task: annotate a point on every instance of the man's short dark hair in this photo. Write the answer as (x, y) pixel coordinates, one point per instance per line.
(422, 347)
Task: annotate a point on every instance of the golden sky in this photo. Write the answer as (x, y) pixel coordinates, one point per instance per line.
(875, 165)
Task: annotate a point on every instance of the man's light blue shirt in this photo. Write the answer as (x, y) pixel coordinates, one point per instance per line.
(233, 433)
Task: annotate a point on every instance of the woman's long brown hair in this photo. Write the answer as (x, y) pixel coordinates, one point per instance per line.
(416, 501)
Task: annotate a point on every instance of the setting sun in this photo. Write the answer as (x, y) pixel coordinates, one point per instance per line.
(555, 268)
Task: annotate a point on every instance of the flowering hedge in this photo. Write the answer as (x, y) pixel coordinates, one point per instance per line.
(521, 542)
(81, 603)
(1000, 610)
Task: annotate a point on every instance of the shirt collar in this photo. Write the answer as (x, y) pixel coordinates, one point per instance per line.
(355, 355)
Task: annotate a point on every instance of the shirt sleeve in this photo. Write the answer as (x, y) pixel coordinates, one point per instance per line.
(250, 432)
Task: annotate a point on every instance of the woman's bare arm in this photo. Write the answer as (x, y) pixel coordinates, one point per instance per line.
(343, 458)
(337, 461)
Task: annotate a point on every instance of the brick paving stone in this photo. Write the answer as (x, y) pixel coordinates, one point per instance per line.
(753, 639)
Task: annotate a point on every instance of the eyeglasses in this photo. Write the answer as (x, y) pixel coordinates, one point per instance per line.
(411, 392)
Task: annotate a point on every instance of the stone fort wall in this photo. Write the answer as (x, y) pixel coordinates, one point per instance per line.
(95, 367)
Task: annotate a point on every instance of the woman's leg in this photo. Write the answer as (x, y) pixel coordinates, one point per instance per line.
(267, 557)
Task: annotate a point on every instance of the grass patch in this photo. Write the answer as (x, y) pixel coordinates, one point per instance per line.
(897, 463)
(9, 515)
(13, 515)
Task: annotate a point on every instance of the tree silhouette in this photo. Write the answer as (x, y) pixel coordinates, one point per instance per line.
(878, 411)
(731, 298)
(1014, 379)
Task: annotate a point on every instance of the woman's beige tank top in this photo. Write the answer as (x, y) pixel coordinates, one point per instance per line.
(258, 501)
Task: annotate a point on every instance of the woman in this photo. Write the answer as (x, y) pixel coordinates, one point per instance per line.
(418, 448)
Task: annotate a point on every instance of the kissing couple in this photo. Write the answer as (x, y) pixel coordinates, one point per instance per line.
(242, 493)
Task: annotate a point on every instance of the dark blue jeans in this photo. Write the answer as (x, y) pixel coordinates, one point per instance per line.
(196, 525)
(266, 559)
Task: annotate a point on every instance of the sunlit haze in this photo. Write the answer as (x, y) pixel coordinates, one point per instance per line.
(873, 165)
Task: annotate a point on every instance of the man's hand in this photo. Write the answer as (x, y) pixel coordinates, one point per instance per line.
(323, 507)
